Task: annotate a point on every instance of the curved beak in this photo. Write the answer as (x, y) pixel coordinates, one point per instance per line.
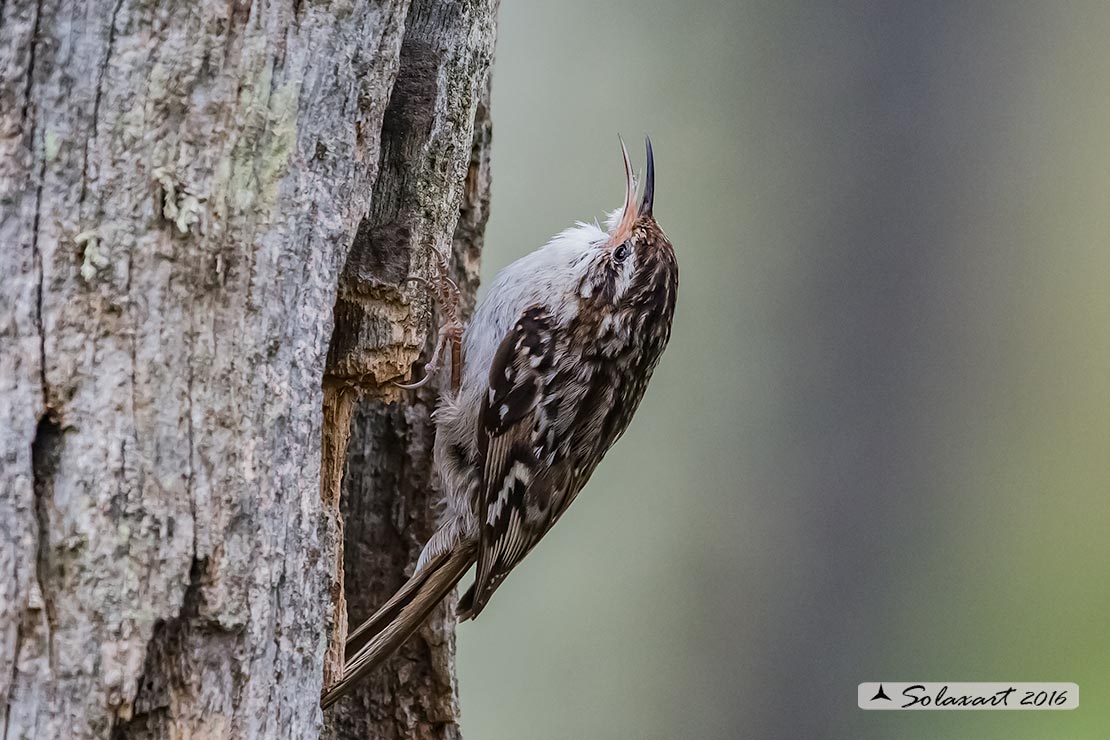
(648, 201)
(629, 213)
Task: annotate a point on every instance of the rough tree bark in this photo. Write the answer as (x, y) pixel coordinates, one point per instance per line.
(180, 184)
(387, 493)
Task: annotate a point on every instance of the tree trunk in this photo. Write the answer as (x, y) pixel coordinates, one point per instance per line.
(180, 184)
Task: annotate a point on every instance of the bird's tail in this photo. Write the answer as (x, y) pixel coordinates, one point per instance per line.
(391, 625)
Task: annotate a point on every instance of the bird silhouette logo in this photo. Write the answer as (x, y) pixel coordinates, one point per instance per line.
(881, 694)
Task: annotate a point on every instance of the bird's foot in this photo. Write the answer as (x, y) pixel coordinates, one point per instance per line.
(449, 336)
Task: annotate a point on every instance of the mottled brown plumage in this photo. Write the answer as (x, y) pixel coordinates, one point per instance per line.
(560, 397)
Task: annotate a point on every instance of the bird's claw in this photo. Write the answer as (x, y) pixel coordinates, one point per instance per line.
(413, 386)
(447, 294)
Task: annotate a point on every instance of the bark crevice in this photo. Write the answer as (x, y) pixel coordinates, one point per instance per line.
(46, 453)
(102, 71)
(173, 675)
(40, 279)
(32, 49)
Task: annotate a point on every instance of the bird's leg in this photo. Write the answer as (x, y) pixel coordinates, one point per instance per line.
(450, 333)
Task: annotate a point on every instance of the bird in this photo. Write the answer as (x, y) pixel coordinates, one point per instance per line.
(554, 364)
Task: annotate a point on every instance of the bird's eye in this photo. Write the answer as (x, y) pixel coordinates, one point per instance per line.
(621, 253)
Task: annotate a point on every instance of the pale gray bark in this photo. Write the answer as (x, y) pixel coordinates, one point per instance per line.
(180, 184)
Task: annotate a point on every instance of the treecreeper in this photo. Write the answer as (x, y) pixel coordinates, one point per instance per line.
(545, 378)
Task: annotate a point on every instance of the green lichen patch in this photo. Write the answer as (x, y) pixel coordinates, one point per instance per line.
(261, 155)
(179, 206)
(95, 256)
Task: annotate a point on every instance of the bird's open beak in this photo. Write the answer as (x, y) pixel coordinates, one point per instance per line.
(629, 213)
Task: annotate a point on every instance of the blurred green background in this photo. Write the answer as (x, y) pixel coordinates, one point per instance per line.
(878, 447)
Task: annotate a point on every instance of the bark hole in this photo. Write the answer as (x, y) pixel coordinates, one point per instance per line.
(175, 673)
(46, 453)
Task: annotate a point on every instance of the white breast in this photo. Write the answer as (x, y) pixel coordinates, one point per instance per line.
(548, 276)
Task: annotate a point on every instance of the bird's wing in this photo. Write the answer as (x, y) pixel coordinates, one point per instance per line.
(522, 488)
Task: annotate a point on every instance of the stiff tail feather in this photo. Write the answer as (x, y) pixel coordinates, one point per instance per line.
(379, 636)
(388, 611)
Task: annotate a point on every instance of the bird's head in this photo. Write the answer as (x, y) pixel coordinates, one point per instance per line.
(635, 263)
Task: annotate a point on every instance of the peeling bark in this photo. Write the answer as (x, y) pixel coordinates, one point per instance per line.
(390, 504)
(180, 184)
